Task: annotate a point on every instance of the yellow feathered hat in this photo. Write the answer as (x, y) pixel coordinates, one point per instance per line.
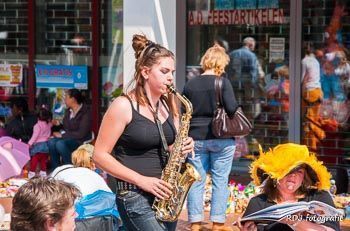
(279, 161)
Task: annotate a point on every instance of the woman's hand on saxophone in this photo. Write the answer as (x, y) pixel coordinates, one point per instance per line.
(156, 186)
(188, 147)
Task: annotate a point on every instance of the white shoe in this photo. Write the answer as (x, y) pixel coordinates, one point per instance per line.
(31, 174)
(43, 174)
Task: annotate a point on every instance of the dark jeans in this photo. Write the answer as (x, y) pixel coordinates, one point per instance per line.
(105, 223)
(61, 147)
(135, 209)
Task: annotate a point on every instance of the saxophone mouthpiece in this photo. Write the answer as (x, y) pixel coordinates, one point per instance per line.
(171, 88)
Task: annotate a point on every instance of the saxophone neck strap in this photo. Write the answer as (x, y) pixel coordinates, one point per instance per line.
(164, 154)
(160, 129)
(159, 125)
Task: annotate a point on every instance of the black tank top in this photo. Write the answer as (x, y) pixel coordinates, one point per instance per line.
(139, 147)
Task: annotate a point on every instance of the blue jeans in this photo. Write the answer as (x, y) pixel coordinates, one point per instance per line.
(331, 87)
(213, 156)
(39, 147)
(61, 147)
(135, 209)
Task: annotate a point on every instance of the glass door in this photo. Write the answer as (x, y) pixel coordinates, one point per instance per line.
(326, 80)
(264, 94)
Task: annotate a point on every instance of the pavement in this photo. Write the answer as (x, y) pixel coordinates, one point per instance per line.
(183, 224)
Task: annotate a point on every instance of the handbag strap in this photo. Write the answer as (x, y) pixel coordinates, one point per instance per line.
(218, 93)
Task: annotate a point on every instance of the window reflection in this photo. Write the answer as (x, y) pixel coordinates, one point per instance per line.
(63, 37)
(326, 111)
(111, 51)
(13, 49)
(265, 99)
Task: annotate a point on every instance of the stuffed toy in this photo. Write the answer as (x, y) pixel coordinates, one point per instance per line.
(333, 30)
(313, 132)
(333, 65)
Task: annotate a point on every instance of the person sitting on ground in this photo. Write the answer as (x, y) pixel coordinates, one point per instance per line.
(76, 129)
(81, 173)
(98, 201)
(39, 150)
(44, 204)
(20, 124)
(289, 173)
(82, 157)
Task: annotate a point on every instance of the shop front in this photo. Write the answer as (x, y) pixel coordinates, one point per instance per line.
(48, 46)
(281, 100)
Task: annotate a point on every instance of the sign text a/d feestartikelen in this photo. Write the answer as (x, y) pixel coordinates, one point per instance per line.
(236, 17)
(61, 76)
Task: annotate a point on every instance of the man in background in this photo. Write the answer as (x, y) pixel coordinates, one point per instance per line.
(243, 72)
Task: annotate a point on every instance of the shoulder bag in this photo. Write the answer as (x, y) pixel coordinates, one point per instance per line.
(224, 126)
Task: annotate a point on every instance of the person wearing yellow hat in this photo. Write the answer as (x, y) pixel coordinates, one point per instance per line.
(289, 173)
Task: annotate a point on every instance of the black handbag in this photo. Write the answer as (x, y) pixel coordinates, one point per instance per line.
(224, 126)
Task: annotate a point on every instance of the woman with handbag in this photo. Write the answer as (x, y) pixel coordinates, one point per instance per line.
(213, 155)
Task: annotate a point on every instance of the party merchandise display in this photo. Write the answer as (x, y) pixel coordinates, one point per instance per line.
(239, 196)
(10, 187)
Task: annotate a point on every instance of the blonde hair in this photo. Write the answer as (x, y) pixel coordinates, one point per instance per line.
(82, 156)
(215, 58)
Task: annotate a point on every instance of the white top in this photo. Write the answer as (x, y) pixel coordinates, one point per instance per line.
(86, 180)
(310, 75)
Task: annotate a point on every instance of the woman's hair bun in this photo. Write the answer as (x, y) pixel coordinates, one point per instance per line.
(139, 42)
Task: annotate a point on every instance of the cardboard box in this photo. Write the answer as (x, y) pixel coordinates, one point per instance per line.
(6, 202)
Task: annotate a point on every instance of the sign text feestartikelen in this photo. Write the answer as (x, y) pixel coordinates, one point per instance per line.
(236, 17)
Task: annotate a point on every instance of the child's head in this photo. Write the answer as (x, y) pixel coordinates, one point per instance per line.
(82, 156)
(44, 115)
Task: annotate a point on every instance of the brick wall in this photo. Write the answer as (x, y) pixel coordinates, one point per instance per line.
(58, 21)
(14, 21)
(316, 18)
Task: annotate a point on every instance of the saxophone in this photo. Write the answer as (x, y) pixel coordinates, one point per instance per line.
(180, 176)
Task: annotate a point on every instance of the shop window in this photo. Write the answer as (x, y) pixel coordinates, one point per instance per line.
(111, 59)
(63, 36)
(326, 80)
(14, 54)
(265, 99)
